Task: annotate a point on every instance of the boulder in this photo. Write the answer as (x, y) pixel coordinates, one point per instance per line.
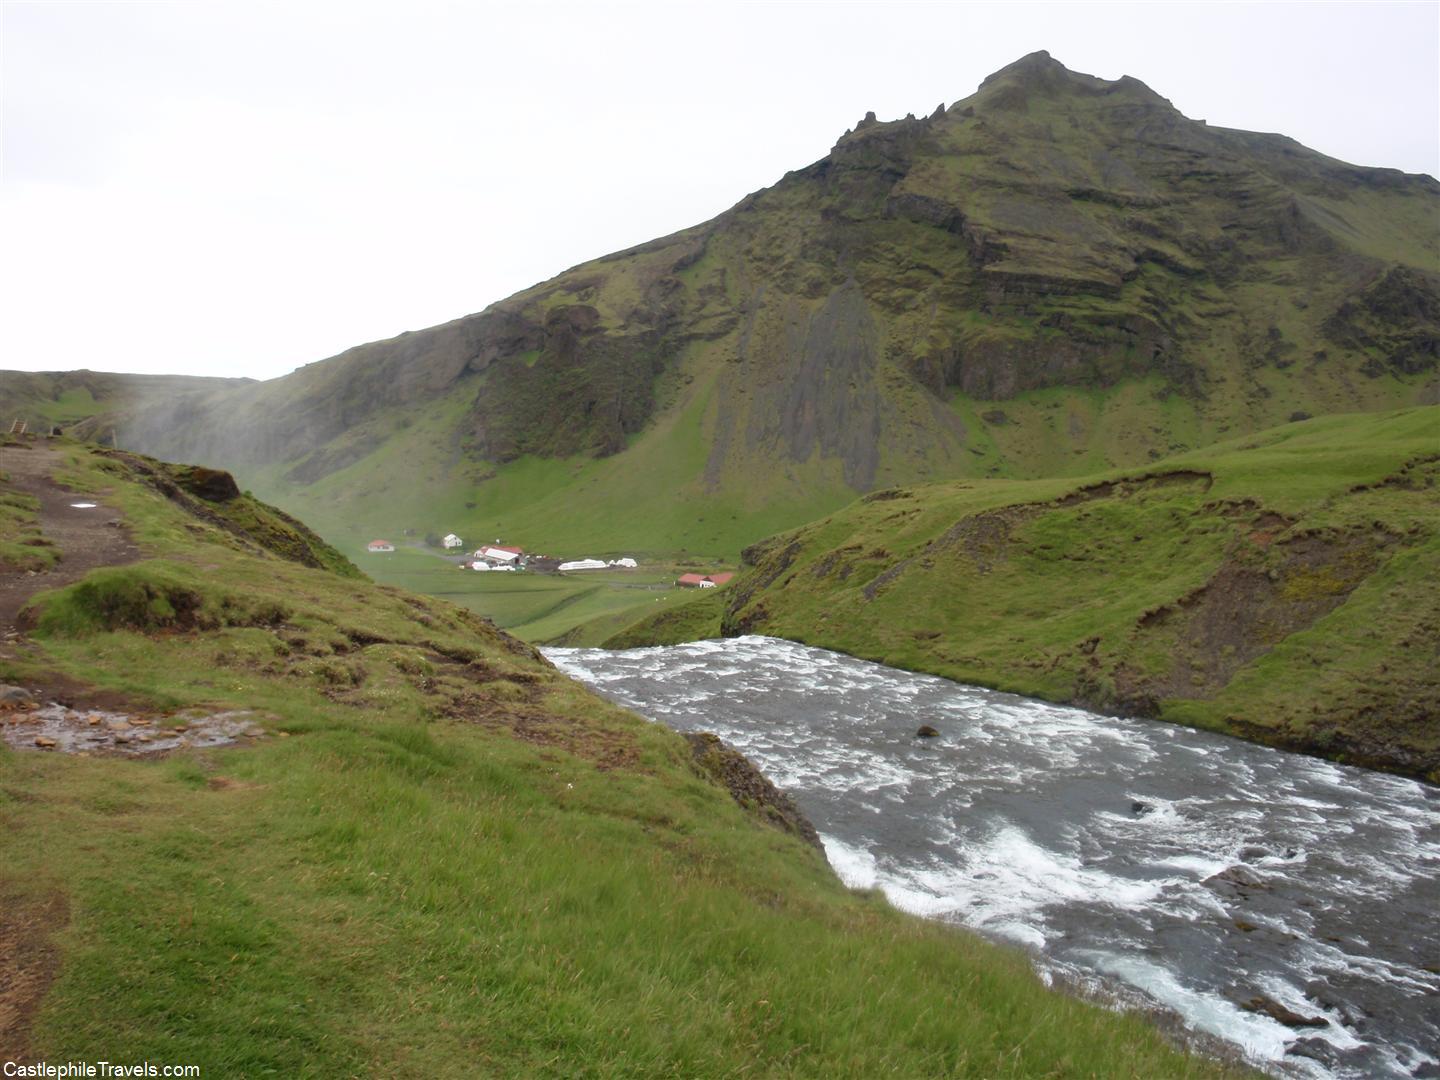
(1273, 1009)
(15, 696)
(925, 731)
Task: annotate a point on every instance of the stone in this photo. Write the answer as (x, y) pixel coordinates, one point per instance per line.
(1237, 875)
(1273, 1009)
(44, 743)
(926, 732)
(15, 695)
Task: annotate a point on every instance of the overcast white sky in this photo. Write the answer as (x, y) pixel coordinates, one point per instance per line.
(238, 189)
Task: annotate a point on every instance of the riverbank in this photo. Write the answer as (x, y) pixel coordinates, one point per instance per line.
(1284, 588)
(1277, 902)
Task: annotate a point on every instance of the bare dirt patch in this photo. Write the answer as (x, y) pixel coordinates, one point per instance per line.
(29, 960)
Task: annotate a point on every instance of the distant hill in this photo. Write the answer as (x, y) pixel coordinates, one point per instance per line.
(1056, 275)
(1283, 587)
(47, 399)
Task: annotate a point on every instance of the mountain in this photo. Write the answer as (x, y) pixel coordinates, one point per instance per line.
(1284, 587)
(319, 827)
(1057, 275)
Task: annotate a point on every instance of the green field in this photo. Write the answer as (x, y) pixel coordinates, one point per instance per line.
(445, 859)
(538, 607)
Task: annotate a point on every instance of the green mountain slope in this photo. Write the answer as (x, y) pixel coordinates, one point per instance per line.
(1057, 275)
(431, 855)
(1284, 587)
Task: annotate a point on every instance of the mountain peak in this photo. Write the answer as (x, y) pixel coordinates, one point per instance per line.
(1040, 73)
(1032, 65)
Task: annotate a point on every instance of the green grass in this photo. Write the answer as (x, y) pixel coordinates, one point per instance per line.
(23, 546)
(1286, 591)
(450, 860)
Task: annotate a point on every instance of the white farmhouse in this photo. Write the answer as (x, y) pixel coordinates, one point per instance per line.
(453, 541)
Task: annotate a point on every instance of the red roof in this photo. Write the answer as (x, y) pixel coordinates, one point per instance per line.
(378, 543)
(512, 550)
(691, 579)
(720, 579)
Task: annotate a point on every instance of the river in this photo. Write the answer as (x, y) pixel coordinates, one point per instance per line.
(1166, 865)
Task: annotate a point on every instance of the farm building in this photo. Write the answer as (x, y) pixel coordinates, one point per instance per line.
(703, 581)
(499, 555)
(453, 541)
(380, 545)
(583, 564)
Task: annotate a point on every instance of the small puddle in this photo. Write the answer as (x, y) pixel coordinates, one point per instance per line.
(99, 731)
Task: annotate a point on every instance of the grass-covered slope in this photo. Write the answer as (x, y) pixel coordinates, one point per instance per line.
(444, 858)
(1057, 275)
(1284, 587)
(695, 619)
(22, 545)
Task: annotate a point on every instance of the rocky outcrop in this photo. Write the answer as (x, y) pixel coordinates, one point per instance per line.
(735, 772)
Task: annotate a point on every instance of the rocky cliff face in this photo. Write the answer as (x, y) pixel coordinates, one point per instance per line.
(892, 311)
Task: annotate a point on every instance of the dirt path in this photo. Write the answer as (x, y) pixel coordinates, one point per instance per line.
(87, 538)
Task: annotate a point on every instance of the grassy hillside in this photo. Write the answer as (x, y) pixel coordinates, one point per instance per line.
(1284, 587)
(1054, 276)
(435, 856)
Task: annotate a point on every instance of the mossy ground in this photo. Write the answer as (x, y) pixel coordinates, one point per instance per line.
(447, 859)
